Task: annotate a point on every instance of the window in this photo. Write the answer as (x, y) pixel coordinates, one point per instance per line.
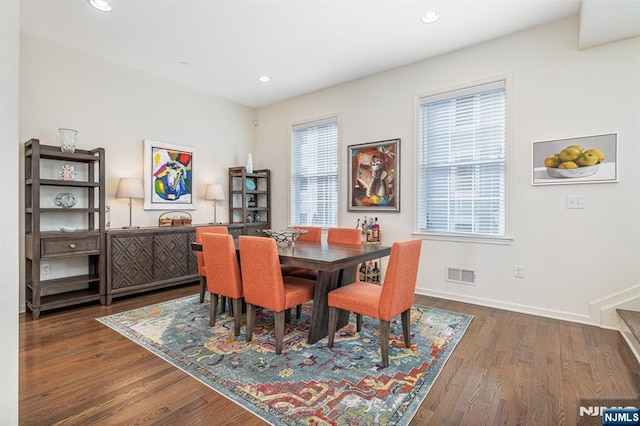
(461, 162)
(314, 176)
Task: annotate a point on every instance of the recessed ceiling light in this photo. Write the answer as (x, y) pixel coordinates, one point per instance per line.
(264, 79)
(430, 17)
(101, 5)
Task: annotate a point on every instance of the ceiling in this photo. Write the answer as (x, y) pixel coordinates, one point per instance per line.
(302, 45)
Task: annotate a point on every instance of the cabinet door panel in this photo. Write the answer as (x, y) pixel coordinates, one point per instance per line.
(170, 252)
(130, 260)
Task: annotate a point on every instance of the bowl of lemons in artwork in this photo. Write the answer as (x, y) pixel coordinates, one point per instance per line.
(574, 162)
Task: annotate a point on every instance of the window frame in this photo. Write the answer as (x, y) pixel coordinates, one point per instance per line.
(505, 239)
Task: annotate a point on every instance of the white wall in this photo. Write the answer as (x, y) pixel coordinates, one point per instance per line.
(116, 107)
(570, 257)
(9, 264)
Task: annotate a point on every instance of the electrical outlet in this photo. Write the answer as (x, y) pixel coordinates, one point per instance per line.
(575, 202)
(518, 271)
(45, 268)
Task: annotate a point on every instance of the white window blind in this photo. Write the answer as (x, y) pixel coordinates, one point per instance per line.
(461, 161)
(314, 180)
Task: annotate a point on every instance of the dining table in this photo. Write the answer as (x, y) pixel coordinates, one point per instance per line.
(337, 265)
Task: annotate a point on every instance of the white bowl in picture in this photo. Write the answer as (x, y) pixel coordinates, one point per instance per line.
(572, 173)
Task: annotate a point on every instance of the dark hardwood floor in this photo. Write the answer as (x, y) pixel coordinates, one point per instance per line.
(508, 369)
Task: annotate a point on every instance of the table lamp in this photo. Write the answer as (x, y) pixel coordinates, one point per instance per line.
(130, 188)
(213, 193)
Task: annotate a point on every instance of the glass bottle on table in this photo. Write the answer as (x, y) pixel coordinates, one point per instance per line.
(375, 231)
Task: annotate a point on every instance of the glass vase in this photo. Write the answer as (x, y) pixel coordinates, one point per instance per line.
(67, 139)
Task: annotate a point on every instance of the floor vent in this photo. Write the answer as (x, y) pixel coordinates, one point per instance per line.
(459, 275)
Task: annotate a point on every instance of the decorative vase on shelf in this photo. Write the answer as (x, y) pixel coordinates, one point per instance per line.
(249, 165)
(67, 139)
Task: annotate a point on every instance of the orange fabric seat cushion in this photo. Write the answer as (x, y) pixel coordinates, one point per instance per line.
(360, 297)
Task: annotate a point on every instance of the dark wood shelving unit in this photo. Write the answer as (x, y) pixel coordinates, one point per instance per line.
(87, 242)
(244, 187)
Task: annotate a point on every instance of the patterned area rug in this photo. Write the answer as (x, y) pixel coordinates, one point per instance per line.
(306, 384)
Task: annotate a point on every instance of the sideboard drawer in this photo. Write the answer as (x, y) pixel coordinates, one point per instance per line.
(54, 247)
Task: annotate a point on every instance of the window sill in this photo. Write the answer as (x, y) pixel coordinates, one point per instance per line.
(456, 238)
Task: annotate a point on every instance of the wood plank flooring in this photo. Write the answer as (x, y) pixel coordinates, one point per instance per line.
(509, 369)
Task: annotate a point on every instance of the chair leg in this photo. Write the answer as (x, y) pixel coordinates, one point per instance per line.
(385, 327)
(223, 304)
(279, 330)
(231, 303)
(213, 305)
(251, 314)
(203, 287)
(406, 327)
(287, 315)
(298, 311)
(333, 323)
(237, 314)
(358, 322)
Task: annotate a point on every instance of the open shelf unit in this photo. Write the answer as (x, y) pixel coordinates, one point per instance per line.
(250, 199)
(86, 242)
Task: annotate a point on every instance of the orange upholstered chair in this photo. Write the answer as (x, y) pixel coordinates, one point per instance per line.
(384, 302)
(223, 274)
(314, 235)
(263, 284)
(344, 236)
(201, 270)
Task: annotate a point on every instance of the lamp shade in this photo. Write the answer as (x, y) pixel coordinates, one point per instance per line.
(214, 192)
(130, 188)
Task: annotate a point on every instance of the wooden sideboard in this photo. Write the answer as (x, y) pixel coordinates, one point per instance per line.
(150, 258)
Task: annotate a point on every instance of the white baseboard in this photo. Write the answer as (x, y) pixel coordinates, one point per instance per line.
(514, 307)
(603, 310)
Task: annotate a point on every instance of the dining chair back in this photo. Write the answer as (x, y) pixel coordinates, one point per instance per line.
(223, 275)
(344, 235)
(264, 285)
(314, 235)
(384, 302)
(200, 230)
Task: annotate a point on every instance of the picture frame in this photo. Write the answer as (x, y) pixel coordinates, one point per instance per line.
(374, 176)
(598, 167)
(169, 178)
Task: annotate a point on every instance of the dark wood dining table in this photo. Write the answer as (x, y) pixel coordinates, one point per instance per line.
(336, 265)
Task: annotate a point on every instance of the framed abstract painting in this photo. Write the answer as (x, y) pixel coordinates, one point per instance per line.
(168, 176)
(374, 176)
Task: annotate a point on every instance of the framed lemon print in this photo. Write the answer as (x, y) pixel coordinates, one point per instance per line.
(586, 159)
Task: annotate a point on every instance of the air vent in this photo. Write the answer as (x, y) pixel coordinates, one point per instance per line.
(459, 275)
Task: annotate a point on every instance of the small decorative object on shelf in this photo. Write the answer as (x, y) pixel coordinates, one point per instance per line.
(67, 139)
(285, 236)
(65, 200)
(249, 166)
(251, 185)
(67, 172)
(174, 218)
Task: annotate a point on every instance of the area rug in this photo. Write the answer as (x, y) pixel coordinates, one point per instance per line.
(306, 384)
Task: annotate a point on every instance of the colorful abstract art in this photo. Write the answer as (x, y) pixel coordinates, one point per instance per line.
(169, 178)
(374, 176)
(307, 383)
